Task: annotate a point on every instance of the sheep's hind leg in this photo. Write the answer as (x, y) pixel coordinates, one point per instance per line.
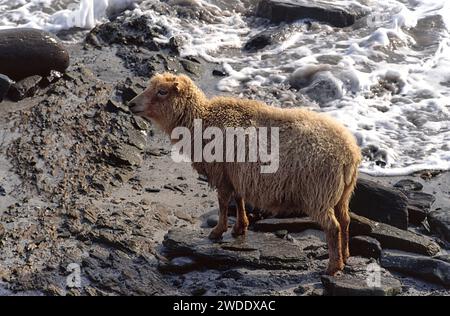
(332, 230)
(224, 195)
(241, 225)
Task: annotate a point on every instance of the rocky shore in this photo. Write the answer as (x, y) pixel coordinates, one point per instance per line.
(84, 182)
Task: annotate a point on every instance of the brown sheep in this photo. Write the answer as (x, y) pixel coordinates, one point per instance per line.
(318, 158)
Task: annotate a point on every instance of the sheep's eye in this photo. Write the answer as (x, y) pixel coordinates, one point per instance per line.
(162, 92)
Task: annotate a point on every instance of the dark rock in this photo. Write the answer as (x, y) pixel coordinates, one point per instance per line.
(232, 274)
(292, 225)
(392, 237)
(219, 73)
(193, 68)
(5, 83)
(429, 269)
(24, 88)
(380, 203)
(281, 233)
(27, 52)
(439, 221)
(365, 246)
(419, 204)
(445, 257)
(176, 42)
(273, 35)
(138, 31)
(2, 191)
(289, 11)
(368, 280)
(409, 185)
(212, 220)
(254, 250)
(324, 88)
(312, 289)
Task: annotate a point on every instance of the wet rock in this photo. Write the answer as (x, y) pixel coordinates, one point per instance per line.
(2, 191)
(362, 284)
(392, 237)
(289, 11)
(380, 203)
(365, 246)
(439, 221)
(426, 268)
(219, 73)
(269, 37)
(137, 31)
(176, 43)
(5, 83)
(254, 250)
(325, 87)
(419, 204)
(26, 52)
(24, 88)
(292, 225)
(409, 185)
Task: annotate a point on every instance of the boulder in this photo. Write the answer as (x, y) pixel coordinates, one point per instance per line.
(270, 36)
(5, 84)
(380, 203)
(26, 52)
(289, 10)
(392, 237)
(365, 246)
(429, 269)
(292, 225)
(439, 221)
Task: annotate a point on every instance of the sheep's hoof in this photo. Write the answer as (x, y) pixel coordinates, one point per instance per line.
(238, 230)
(216, 234)
(335, 268)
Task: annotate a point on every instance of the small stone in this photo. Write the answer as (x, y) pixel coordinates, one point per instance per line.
(152, 190)
(281, 233)
(219, 73)
(212, 220)
(365, 246)
(198, 291)
(232, 274)
(409, 185)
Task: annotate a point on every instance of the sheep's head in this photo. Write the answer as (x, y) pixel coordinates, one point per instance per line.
(166, 100)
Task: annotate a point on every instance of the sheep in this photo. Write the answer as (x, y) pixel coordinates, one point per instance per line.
(317, 167)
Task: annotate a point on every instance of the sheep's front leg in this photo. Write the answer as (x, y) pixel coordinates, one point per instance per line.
(240, 228)
(224, 195)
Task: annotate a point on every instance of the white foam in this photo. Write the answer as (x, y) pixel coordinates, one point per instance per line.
(86, 14)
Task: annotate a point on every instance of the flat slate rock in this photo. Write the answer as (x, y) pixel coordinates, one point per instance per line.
(429, 269)
(259, 250)
(419, 205)
(323, 11)
(439, 221)
(361, 277)
(392, 237)
(292, 225)
(380, 203)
